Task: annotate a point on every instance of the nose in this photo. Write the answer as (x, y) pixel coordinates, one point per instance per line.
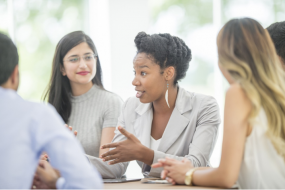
(136, 82)
(82, 64)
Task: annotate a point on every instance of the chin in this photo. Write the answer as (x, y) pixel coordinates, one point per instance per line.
(144, 101)
(84, 81)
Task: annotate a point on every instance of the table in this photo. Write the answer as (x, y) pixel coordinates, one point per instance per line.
(139, 185)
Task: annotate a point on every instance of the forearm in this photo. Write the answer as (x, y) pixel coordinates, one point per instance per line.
(211, 177)
(106, 138)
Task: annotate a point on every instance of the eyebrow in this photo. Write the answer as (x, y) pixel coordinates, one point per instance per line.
(143, 66)
(77, 55)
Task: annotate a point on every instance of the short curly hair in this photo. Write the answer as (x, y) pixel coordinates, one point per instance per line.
(277, 33)
(166, 50)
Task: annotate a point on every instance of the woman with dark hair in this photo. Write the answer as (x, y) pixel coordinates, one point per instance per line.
(77, 93)
(163, 120)
(253, 152)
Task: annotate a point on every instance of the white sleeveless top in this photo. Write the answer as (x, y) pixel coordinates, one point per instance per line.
(262, 167)
(154, 143)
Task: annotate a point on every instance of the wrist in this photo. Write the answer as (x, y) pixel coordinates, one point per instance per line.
(52, 183)
(189, 176)
(146, 155)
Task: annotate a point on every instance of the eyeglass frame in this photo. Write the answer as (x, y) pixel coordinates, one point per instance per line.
(94, 55)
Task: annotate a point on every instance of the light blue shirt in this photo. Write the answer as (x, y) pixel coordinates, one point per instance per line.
(26, 130)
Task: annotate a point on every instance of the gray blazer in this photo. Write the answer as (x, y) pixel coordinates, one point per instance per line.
(191, 132)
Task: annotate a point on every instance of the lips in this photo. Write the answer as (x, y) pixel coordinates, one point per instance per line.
(139, 94)
(83, 72)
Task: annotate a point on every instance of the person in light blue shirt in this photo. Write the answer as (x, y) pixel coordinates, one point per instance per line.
(27, 130)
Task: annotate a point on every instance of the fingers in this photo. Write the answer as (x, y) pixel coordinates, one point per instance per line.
(38, 184)
(40, 170)
(112, 157)
(115, 162)
(184, 160)
(109, 153)
(168, 161)
(69, 127)
(171, 159)
(163, 174)
(110, 145)
(44, 164)
(168, 168)
(44, 157)
(157, 165)
(125, 132)
(171, 181)
(41, 163)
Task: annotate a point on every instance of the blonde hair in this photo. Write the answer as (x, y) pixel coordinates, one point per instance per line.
(246, 51)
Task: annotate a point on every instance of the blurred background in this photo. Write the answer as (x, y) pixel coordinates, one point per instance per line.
(36, 26)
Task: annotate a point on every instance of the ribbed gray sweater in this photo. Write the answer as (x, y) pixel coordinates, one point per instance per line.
(90, 113)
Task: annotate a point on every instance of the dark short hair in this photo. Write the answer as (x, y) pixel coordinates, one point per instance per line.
(277, 33)
(9, 58)
(166, 50)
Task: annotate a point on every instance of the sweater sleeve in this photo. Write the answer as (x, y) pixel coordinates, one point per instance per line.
(112, 111)
(117, 170)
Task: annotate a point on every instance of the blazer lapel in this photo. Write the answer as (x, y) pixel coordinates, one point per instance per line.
(142, 124)
(177, 122)
(174, 128)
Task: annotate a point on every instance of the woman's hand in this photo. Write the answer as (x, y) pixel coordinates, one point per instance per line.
(174, 170)
(127, 150)
(70, 128)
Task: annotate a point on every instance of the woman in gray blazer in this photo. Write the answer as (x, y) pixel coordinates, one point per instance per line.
(163, 120)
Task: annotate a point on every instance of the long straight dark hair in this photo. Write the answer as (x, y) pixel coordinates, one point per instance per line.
(59, 90)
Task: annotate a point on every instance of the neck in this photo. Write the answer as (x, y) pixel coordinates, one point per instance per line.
(9, 85)
(79, 89)
(160, 105)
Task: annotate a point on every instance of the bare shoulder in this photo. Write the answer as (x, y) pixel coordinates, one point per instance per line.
(235, 91)
(236, 98)
(235, 88)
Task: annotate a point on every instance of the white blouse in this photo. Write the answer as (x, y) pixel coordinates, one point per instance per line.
(154, 143)
(262, 167)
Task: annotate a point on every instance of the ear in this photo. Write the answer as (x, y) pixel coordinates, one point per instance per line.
(62, 70)
(15, 75)
(282, 61)
(169, 73)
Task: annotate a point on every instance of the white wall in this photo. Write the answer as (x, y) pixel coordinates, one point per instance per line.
(113, 27)
(127, 19)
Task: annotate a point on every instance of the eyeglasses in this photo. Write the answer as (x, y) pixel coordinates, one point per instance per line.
(86, 58)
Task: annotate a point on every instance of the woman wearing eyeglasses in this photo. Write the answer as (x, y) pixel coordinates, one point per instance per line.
(77, 93)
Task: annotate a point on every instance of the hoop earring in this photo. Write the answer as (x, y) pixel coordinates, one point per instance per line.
(166, 96)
